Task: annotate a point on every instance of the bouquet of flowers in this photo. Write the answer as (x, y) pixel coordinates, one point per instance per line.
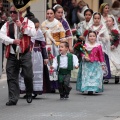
(79, 46)
(50, 58)
(115, 37)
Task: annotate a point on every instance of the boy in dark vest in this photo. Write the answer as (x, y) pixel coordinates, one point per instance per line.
(64, 63)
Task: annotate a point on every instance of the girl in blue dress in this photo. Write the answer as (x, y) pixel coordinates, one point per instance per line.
(90, 75)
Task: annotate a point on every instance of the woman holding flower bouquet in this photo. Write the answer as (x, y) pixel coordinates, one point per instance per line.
(54, 33)
(115, 47)
(90, 74)
(98, 25)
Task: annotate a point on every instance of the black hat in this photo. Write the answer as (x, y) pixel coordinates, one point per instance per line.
(20, 3)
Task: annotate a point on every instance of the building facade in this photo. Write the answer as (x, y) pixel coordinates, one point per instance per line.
(39, 7)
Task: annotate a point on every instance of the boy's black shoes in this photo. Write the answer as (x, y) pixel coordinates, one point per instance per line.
(34, 96)
(10, 103)
(61, 97)
(29, 98)
(66, 96)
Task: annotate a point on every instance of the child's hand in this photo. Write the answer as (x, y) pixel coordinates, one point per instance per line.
(76, 67)
(45, 61)
(51, 67)
(103, 67)
(87, 58)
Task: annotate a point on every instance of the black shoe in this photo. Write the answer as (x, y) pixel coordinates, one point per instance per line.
(52, 91)
(70, 88)
(106, 81)
(10, 103)
(29, 98)
(116, 79)
(90, 92)
(34, 96)
(61, 97)
(66, 96)
(24, 96)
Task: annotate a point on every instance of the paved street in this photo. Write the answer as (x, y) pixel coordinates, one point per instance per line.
(105, 106)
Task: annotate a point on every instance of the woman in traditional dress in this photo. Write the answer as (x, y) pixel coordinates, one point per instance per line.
(81, 28)
(104, 10)
(59, 15)
(115, 10)
(90, 76)
(54, 33)
(84, 25)
(115, 48)
(82, 6)
(98, 25)
(39, 57)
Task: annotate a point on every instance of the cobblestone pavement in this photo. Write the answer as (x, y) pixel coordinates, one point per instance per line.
(104, 106)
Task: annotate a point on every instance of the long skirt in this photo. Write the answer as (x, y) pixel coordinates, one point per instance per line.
(115, 61)
(90, 77)
(107, 73)
(37, 61)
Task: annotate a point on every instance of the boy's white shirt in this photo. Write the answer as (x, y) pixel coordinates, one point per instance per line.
(64, 62)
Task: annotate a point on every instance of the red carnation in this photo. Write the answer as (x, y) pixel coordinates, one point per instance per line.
(119, 20)
(51, 71)
(115, 32)
(48, 49)
(85, 33)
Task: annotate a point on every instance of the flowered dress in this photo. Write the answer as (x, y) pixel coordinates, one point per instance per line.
(103, 39)
(90, 75)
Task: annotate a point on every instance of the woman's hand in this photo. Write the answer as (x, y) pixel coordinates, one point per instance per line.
(51, 67)
(112, 47)
(111, 39)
